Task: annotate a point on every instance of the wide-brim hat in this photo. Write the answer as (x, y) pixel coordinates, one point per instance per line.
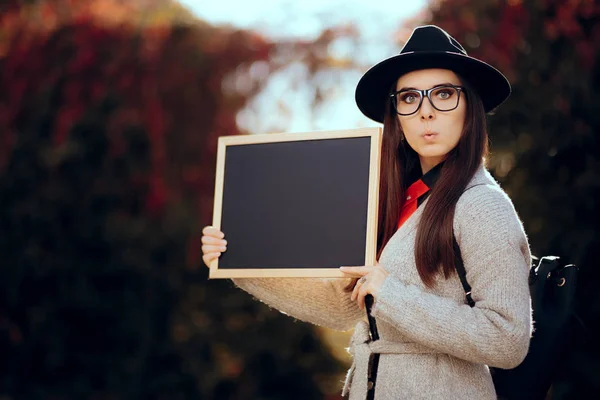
(429, 47)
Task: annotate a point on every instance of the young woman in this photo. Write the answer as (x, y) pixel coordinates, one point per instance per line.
(439, 209)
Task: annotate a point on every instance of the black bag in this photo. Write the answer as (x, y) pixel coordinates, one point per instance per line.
(552, 286)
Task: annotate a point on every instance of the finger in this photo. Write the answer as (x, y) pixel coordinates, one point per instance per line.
(211, 256)
(356, 271)
(353, 274)
(213, 249)
(208, 258)
(212, 231)
(213, 240)
(359, 300)
(358, 268)
(364, 291)
(355, 291)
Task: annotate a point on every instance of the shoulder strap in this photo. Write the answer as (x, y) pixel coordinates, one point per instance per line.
(462, 273)
(458, 263)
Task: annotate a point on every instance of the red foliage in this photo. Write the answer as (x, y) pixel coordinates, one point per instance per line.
(504, 33)
(166, 79)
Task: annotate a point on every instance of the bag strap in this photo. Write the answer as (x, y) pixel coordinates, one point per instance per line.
(460, 267)
(462, 273)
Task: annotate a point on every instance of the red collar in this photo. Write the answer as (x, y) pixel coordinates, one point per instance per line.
(415, 193)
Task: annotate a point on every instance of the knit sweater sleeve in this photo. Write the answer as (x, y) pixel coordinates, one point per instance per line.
(495, 251)
(320, 301)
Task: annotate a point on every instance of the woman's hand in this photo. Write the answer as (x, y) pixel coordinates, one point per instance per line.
(213, 244)
(371, 279)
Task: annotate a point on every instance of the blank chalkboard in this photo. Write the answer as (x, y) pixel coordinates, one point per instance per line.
(297, 204)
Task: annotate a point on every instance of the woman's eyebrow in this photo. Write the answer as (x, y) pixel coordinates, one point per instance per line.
(439, 84)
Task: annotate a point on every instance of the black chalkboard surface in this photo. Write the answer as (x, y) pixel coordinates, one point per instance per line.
(297, 204)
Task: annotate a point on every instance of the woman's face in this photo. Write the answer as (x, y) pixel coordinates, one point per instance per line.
(430, 132)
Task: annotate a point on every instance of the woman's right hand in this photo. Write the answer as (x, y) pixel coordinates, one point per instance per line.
(213, 244)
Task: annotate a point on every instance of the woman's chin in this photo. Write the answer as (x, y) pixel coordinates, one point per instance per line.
(434, 151)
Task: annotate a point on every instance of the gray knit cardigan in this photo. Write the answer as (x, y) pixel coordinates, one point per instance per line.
(432, 344)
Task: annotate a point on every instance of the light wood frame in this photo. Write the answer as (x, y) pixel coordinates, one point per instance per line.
(372, 208)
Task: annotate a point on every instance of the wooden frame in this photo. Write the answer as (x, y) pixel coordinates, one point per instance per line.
(373, 196)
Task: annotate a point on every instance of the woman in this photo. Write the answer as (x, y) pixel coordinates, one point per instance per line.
(439, 209)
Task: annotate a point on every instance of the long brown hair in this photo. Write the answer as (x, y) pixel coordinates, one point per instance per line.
(434, 250)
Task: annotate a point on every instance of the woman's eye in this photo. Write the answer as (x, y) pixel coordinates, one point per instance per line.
(409, 98)
(444, 94)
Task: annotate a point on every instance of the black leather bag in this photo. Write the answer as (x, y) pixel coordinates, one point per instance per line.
(552, 286)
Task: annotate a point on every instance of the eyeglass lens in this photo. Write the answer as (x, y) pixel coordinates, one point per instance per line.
(442, 98)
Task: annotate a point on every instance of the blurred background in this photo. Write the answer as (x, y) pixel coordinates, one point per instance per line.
(110, 112)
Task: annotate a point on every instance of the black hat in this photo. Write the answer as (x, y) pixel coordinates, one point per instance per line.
(429, 47)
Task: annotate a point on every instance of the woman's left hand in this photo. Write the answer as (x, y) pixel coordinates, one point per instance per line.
(371, 279)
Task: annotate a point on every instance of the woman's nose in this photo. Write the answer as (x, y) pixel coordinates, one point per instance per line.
(427, 110)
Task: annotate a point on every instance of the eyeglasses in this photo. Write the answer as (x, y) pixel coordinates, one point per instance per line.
(442, 98)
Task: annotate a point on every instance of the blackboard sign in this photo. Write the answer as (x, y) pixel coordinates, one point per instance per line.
(297, 204)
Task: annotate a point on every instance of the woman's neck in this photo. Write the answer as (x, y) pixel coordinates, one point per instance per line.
(427, 164)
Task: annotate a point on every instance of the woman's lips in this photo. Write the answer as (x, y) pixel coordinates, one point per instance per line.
(429, 135)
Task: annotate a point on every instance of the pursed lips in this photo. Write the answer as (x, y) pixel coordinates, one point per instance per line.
(429, 134)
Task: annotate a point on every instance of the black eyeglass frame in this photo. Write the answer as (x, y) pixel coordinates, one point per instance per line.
(426, 93)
